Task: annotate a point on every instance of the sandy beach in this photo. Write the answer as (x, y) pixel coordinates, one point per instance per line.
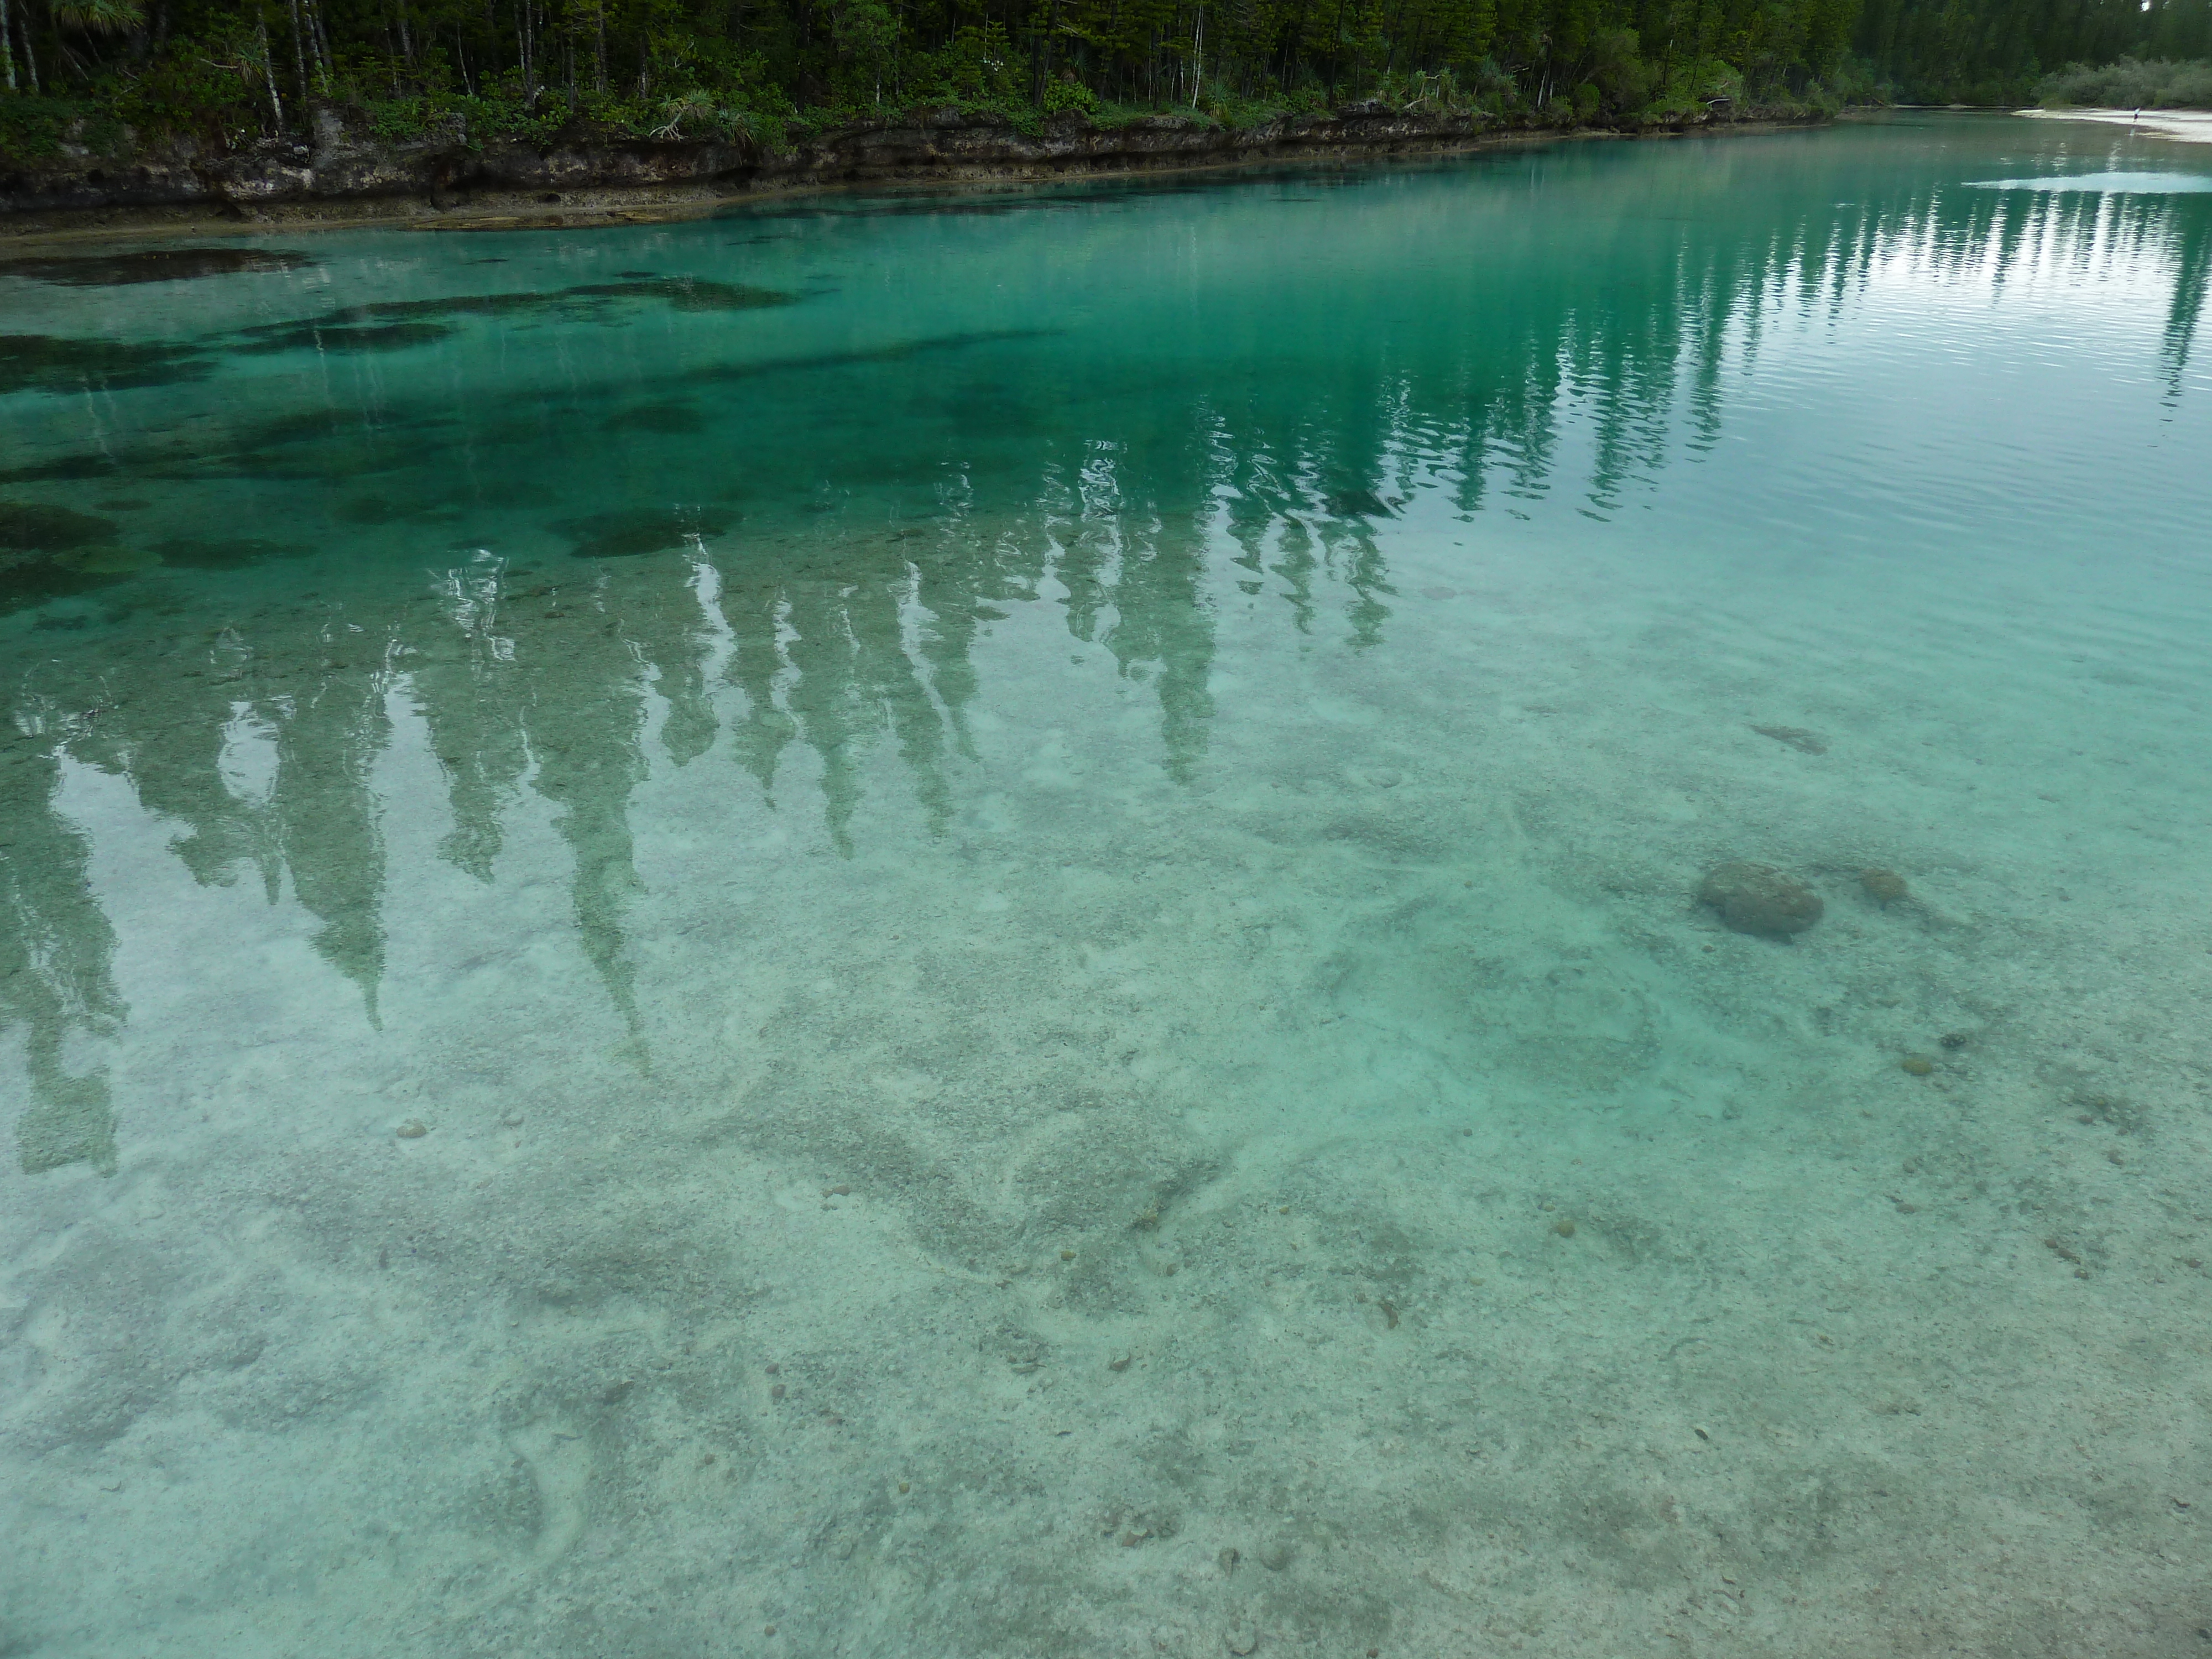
(2188, 126)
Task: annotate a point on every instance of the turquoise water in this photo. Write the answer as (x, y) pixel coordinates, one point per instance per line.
(971, 924)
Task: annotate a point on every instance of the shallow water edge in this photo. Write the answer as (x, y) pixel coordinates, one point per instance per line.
(1430, 911)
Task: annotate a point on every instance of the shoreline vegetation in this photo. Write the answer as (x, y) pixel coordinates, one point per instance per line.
(236, 107)
(2130, 83)
(141, 103)
(346, 176)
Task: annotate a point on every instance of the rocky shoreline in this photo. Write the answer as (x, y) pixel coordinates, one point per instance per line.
(344, 177)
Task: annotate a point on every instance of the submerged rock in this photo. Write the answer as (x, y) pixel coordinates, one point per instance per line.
(1882, 885)
(56, 364)
(236, 553)
(669, 417)
(318, 337)
(27, 526)
(1808, 743)
(1358, 504)
(1758, 898)
(159, 264)
(49, 552)
(628, 535)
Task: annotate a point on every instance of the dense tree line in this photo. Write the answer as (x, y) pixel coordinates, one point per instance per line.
(2012, 52)
(236, 69)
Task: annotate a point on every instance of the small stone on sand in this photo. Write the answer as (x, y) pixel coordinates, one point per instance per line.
(413, 1129)
(1806, 743)
(1242, 1638)
(1882, 885)
(1758, 898)
(1563, 1227)
(1917, 1065)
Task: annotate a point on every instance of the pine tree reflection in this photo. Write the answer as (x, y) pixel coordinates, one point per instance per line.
(844, 608)
(57, 951)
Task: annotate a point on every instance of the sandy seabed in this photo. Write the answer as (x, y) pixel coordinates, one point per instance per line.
(1350, 1199)
(1093, 1078)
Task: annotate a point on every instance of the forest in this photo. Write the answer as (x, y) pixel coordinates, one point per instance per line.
(231, 73)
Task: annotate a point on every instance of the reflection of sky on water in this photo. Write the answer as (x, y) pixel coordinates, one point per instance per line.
(2109, 184)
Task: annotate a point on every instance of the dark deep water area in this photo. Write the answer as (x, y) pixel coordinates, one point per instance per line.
(1014, 923)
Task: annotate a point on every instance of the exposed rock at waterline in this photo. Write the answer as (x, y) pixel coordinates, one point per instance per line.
(453, 177)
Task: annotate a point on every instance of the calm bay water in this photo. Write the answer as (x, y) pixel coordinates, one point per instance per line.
(969, 924)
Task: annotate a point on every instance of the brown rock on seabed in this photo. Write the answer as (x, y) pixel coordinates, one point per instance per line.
(1882, 885)
(1758, 898)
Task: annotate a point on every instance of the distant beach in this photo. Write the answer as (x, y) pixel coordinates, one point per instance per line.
(2190, 127)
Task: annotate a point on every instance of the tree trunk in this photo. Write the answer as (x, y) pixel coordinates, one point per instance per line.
(269, 73)
(1197, 56)
(6, 45)
(299, 55)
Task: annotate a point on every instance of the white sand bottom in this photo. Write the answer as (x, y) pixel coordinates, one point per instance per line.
(1350, 1202)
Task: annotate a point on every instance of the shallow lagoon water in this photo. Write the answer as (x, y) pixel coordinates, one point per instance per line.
(1029, 861)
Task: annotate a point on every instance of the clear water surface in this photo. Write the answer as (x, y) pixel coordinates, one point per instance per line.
(971, 924)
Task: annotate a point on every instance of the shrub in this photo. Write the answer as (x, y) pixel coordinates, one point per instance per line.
(35, 129)
(1066, 94)
(2131, 83)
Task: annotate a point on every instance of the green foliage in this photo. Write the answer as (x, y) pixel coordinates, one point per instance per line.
(1068, 92)
(196, 88)
(34, 130)
(775, 72)
(1994, 52)
(2131, 83)
(866, 36)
